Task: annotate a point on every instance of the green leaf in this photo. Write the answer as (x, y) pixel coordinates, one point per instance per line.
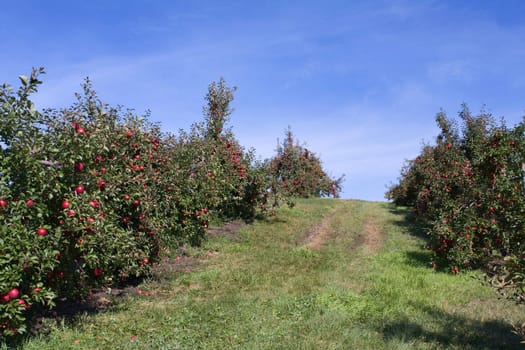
(23, 79)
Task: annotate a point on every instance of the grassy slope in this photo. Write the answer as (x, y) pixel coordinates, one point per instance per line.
(271, 291)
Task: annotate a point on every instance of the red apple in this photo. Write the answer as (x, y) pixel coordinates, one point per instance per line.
(101, 185)
(94, 204)
(3, 203)
(97, 271)
(79, 166)
(23, 302)
(41, 231)
(129, 133)
(79, 189)
(30, 202)
(65, 204)
(13, 293)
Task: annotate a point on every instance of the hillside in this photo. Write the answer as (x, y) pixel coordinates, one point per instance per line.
(326, 274)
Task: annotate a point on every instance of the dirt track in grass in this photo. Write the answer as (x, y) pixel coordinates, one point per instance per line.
(370, 237)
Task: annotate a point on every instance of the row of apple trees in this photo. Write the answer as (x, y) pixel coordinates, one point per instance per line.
(469, 187)
(90, 194)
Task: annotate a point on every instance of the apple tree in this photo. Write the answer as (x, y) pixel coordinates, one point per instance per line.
(298, 172)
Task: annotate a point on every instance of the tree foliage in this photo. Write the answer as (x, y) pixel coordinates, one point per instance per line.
(298, 171)
(469, 188)
(90, 194)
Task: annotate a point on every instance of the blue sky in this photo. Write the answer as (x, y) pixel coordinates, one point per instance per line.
(359, 82)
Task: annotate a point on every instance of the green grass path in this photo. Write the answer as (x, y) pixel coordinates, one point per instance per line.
(326, 274)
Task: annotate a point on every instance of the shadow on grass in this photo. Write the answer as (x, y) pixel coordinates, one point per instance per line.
(43, 321)
(453, 331)
(413, 226)
(416, 227)
(419, 258)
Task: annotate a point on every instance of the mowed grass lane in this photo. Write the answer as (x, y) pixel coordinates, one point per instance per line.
(326, 274)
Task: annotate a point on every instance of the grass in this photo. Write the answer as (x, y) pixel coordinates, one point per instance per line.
(367, 285)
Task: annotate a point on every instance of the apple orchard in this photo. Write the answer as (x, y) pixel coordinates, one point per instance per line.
(91, 194)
